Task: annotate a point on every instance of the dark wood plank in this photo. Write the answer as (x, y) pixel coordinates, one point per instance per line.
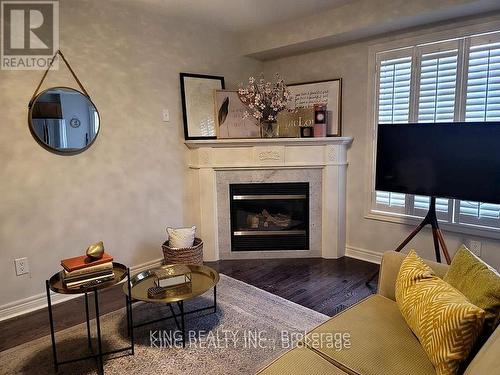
(324, 285)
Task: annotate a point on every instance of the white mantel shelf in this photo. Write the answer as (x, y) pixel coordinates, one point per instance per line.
(222, 143)
(268, 152)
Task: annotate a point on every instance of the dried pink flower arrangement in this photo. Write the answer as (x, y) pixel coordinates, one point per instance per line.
(264, 99)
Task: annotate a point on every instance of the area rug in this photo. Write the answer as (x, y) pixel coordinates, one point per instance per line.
(250, 329)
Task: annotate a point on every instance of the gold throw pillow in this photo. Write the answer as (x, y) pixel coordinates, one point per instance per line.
(444, 321)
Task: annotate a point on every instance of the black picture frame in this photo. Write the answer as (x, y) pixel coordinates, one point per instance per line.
(182, 77)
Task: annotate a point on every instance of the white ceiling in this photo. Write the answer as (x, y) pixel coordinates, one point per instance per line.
(245, 15)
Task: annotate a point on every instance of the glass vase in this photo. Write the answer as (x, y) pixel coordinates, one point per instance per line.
(269, 129)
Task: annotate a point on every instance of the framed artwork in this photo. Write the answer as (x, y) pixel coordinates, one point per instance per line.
(328, 92)
(229, 112)
(197, 92)
(290, 122)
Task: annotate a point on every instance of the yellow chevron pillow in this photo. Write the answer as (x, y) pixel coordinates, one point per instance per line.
(444, 321)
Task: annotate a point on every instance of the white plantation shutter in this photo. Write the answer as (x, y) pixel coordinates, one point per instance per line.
(485, 214)
(483, 83)
(482, 104)
(390, 199)
(422, 203)
(438, 79)
(394, 90)
(393, 107)
(421, 206)
(437, 84)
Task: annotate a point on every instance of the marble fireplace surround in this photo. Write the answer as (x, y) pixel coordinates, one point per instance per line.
(225, 177)
(214, 164)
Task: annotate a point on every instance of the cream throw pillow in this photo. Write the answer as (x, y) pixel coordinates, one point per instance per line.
(181, 237)
(444, 321)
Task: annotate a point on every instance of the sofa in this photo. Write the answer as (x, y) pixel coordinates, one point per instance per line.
(381, 343)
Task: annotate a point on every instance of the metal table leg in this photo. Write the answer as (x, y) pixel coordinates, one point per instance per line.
(130, 320)
(215, 298)
(51, 319)
(182, 314)
(99, 342)
(128, 315)
(183, 324)
(87, 315)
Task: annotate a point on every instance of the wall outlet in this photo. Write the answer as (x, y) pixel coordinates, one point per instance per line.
(22, 266)
(165, 115)
(475, 247)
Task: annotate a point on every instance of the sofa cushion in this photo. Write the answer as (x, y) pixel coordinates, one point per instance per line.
(479, 283)
(301, 361)
(380, 341)
(442, 318)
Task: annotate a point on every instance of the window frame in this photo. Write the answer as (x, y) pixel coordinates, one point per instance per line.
(418, 47)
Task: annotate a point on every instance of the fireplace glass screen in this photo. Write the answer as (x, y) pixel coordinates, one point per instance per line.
(269, 216)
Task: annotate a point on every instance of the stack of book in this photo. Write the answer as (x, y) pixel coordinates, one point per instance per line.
(82, 271)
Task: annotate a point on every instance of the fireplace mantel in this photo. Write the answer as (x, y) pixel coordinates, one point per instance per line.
(208, 158)
(270, 152)
(221, 143)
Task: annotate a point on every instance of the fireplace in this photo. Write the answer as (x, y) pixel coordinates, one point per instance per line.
(214, 165)
(269, 216)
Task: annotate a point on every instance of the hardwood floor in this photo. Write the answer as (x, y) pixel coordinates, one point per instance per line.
(324, 285)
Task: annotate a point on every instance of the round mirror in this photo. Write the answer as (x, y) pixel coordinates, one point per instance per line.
(63, 120)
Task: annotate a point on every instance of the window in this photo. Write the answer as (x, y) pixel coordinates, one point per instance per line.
(454, 80)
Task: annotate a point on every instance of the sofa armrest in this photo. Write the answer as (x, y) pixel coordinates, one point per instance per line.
(487, 360)
(389, 269)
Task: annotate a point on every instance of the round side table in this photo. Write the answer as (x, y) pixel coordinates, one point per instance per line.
(56, 285)
(203, 278)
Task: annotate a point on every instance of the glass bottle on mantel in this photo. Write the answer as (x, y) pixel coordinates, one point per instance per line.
(320, 120)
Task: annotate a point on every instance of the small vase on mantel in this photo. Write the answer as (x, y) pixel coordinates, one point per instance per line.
(269, 129)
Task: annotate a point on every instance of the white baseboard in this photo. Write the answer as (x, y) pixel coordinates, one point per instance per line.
(39, 301)
(363, 254)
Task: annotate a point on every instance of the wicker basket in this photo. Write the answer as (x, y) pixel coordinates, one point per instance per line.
(186, 255)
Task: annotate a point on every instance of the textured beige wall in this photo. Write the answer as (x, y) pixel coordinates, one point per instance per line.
(351, 63)
(354, 20)
(130, 184)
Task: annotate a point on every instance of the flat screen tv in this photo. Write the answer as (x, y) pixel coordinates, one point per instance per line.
(445, 160)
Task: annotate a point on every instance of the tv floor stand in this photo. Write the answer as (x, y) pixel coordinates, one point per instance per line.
(430, 219)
